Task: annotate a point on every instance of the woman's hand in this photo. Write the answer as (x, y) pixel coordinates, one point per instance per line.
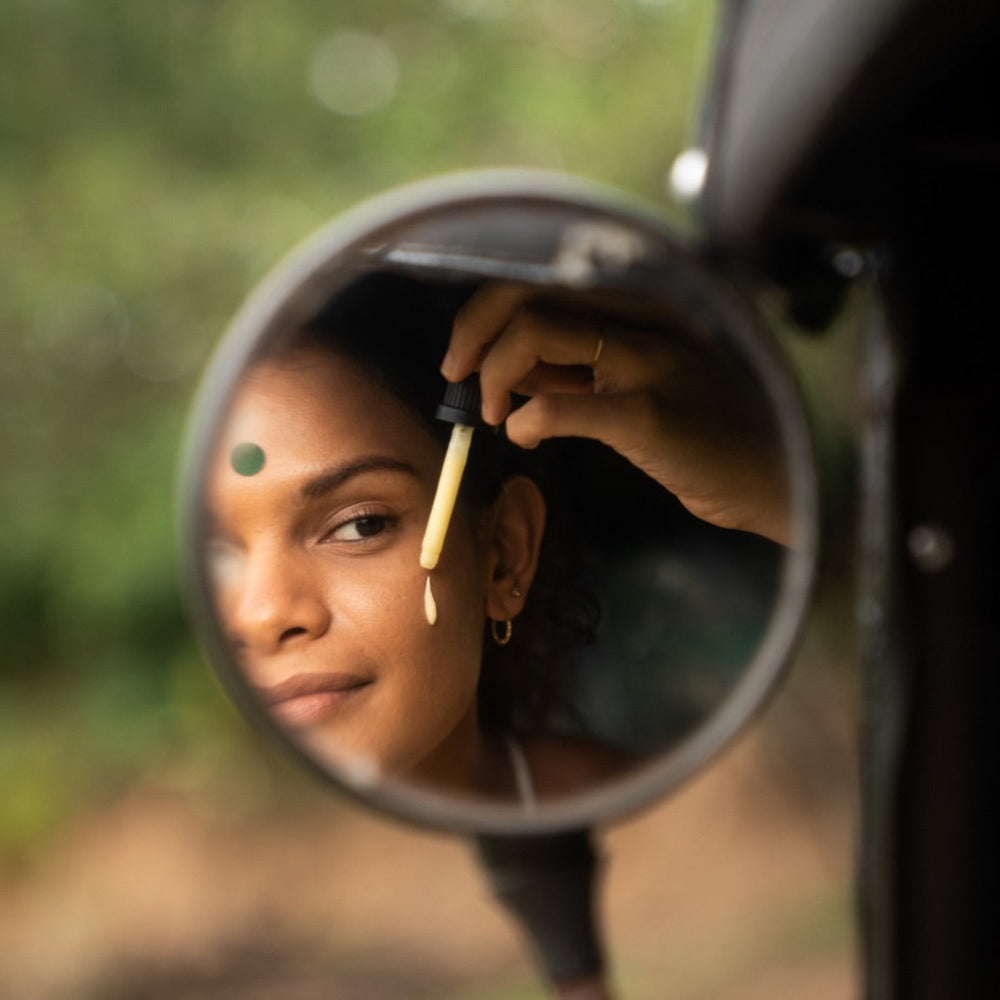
(693, 421)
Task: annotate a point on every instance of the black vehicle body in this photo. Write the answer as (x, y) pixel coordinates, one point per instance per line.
(876, 126)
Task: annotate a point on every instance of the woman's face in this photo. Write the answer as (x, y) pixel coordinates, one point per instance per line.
(315, 561)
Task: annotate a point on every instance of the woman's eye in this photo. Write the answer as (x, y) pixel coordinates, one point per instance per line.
(359, 528)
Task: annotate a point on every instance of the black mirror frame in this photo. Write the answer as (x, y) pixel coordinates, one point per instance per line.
(300, 283)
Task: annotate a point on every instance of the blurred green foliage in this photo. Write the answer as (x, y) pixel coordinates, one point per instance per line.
(156, 158)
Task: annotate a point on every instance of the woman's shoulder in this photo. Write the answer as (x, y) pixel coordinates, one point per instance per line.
(565, 765)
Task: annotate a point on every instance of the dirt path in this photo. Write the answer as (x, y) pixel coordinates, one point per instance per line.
(738, 887)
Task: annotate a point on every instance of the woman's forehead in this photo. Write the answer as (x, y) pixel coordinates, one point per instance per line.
(317, 403)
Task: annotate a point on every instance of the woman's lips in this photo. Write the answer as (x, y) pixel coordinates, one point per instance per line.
(305, 699)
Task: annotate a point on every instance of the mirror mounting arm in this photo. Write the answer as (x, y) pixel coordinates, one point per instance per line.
(547, 882)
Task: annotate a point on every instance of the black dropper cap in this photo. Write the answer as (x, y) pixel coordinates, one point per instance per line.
(463, 404)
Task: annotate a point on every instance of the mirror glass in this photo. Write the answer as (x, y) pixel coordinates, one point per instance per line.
(625, 560)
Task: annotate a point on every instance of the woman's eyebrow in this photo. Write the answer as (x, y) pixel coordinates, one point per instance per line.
(339, 474)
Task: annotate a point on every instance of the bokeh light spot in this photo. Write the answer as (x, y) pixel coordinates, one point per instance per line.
(688, 173)
(585, 29)
(353, 73)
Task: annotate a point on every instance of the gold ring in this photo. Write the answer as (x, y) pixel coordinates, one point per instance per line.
(597, 352)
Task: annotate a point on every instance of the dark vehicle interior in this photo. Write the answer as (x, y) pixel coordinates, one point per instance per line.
(879, 129)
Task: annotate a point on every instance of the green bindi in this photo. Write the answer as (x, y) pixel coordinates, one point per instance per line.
(247, 459)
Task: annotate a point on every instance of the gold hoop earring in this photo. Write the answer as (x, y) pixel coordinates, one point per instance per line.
(501, 639)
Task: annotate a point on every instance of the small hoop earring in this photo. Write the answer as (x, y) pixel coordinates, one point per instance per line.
(501, 638)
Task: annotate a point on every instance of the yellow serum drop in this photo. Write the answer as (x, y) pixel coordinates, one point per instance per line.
(430, 605)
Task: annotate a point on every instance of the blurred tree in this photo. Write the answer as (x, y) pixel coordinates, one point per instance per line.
(155, 160)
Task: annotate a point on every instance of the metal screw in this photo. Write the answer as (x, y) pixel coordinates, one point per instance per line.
(848, 262)
(931, 547)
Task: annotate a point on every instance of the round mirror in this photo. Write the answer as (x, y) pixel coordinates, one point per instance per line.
(600, 583)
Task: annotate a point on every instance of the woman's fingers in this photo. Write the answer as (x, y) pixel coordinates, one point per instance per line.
(532, 344)
(497, 309)
(727, 488)
(556, 378)
(610, 419)
(478, 323)
(684, 416)
(522, 344)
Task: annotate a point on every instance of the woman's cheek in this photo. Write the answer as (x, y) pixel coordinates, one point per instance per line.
(385, 597)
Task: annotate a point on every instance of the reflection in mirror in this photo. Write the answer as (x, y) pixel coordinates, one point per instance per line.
(611, 565)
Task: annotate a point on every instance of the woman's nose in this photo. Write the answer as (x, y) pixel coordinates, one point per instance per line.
(279, 604)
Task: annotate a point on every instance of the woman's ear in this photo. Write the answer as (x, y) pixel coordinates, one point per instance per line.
(516, 530)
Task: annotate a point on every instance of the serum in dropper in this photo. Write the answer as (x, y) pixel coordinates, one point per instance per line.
(461, 407)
